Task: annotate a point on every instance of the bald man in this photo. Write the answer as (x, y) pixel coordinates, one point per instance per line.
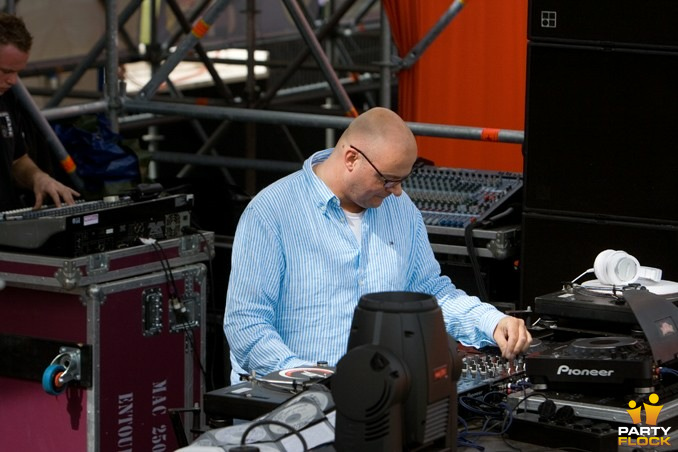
(308, 246)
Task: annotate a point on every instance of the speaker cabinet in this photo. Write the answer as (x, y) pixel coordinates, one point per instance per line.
(621, 23)
(599, 153)
(598, 133)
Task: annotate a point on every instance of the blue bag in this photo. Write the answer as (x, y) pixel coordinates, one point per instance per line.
(104, 162)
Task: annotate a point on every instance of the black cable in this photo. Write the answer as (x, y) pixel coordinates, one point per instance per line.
(273, 422)
(210, 302)
(167, 268)
(494, 412)
(208, 252)
(471, 249)
(169, 279)
(528, 396)
(475, 265)
(209, 298)
(478, 406)
(173, 293)
(504, 421)
(509, 444)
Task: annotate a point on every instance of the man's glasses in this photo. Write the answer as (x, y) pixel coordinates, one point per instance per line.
(388, 183)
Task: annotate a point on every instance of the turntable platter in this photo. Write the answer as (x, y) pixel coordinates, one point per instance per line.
(603, 343)
(298, 375)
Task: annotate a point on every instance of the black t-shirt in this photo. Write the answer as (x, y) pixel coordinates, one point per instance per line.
(12, 146)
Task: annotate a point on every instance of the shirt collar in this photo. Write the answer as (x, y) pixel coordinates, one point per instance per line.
(323, 196)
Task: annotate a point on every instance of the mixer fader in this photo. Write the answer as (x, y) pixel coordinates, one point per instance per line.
(455, 201)
(486, 370)
(452, 197)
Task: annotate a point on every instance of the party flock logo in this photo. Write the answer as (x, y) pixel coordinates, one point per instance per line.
(644, 435)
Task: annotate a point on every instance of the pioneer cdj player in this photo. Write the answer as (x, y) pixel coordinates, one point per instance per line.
(588, 364)
(586, 382)
(600, 363)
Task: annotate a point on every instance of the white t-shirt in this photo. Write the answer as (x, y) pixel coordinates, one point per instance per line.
(354, 222)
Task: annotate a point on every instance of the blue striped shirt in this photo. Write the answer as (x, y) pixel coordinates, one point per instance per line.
(298, 272)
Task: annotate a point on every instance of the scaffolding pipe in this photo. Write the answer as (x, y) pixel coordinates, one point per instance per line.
(219, 84)
(316, 50)
(274, 166)
(199, 30)
(330, 51)
(468, 133)
(322, 86)
(53, 141)
(362, 12)
(297, 62)
(208, 146)
(418, 50)
(193, 15)
(318, 121)
(112, 63)
(386, 50)
(90, 58)
(250, 128)
(251, 41)
(71, 111)
(238, 114)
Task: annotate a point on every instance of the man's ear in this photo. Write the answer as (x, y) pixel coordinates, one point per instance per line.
(350, 157)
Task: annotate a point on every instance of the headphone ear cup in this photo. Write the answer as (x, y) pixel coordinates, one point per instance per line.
(547, 410)
(564, 414)
(600, 266)
(616, 267)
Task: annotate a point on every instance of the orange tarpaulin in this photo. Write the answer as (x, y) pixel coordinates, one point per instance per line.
(473, 75)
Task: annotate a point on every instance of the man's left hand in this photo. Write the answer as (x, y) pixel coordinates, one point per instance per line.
(44, 185)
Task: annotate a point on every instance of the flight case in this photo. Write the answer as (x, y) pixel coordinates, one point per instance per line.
(130, 338)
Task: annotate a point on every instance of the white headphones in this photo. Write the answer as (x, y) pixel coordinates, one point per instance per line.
(620, 268)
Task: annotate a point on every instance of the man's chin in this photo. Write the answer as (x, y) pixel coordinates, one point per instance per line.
(376, 201)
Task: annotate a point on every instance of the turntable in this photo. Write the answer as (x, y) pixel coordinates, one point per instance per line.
(602, 363)
(258, 396)
(599, 362)
(582, 305)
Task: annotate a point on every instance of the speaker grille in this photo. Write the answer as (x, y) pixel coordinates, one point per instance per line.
(437, 420)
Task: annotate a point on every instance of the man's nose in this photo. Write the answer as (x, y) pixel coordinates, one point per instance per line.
(397, 190)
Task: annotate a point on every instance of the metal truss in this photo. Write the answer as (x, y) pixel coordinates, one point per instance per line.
(187, 43)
